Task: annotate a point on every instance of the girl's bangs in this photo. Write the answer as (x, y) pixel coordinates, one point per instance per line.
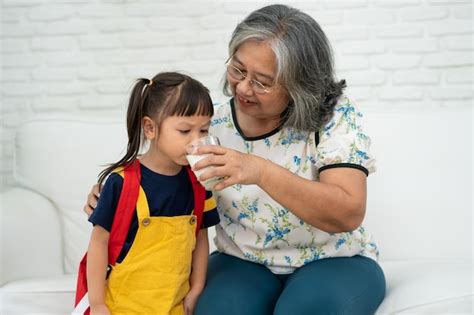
(191, 99)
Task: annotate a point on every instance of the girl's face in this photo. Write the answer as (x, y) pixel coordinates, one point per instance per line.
(257, 61)
(174, 135)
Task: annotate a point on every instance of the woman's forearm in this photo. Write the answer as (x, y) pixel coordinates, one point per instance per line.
(97, 266)
(334, 204)
(199, 265)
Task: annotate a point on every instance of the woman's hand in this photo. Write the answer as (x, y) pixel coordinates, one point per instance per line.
(235, 167)
(92, 198)
(190, 301)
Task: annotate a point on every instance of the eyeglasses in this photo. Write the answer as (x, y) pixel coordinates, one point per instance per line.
(238, 75)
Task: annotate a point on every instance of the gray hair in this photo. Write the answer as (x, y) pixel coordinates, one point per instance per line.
(304, 62)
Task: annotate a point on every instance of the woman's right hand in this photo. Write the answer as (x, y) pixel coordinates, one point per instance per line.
(92, 198)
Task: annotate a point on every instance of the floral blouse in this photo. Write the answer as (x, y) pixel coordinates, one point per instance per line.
(255, 227)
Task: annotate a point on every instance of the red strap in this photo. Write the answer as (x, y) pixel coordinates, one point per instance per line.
(125, 210)
(81, 288)
(120, 226)
(199, 198)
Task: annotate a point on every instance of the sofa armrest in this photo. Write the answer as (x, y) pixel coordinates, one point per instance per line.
(31, 241)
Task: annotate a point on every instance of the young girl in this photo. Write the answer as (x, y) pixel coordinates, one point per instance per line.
(162, 265)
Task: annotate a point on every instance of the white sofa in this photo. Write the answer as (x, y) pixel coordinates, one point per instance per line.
(419, 209)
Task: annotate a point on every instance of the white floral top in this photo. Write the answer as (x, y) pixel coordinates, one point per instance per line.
(255, 227)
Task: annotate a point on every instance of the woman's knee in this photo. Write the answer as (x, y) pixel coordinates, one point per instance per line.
(353, 285)
(235, 286)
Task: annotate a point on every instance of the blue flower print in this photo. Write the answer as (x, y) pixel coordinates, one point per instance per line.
(297, 160)
(219, 120)
(276, 232)
(362, 155)
(242, 215)
(258, 258)
(289, 137)
(246, 209)
(363, 137)
(228, 220)
(249, 146)
(267, 142)
(310, 254)
(340, 242)
(237, 187)
(277, 226)
(328, 127)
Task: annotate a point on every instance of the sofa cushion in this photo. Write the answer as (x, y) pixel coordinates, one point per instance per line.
(413, 286)
(31, 236)
(459, 306)
(49, 295)
(60, 157)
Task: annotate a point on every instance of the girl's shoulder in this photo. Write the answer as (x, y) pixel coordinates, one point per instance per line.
(113, 183)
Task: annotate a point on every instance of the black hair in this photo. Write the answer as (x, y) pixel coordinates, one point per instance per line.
(167, 94)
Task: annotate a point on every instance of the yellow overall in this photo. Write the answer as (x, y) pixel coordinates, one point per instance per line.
(154, 276)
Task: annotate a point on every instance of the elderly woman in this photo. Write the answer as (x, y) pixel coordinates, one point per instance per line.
(295, 161)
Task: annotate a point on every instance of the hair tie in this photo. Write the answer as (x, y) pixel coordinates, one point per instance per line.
(151, 82)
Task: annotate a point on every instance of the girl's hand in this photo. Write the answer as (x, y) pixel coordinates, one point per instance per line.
(234, 166)
(190, 301)
(99, 309)
(92, 198)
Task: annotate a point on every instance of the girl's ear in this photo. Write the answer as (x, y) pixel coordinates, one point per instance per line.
(150, 129)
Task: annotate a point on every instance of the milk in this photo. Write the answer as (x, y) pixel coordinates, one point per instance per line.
(211, 182)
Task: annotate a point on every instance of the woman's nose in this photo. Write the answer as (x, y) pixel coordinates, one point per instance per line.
(244, 87)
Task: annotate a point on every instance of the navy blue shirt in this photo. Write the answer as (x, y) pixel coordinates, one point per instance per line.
(166, 196)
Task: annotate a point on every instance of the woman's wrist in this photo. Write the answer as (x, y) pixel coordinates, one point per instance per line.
(262, 166)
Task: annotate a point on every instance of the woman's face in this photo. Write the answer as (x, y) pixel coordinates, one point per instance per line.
(257, 61)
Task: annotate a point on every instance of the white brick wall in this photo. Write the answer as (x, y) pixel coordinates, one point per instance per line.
(79, 55)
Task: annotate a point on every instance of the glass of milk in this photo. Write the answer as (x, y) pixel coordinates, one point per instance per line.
(193, 159)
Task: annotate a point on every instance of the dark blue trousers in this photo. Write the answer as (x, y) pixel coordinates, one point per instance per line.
(346, 285)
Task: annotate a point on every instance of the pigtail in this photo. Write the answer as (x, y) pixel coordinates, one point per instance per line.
(135, 113)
